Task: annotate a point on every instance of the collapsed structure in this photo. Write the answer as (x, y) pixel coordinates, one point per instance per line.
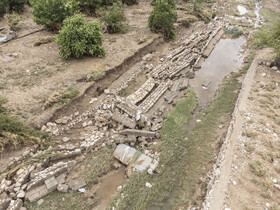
(133, 120)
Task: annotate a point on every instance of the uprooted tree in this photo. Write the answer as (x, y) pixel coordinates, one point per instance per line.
(51, 13)
(162, 19)
(78, 37)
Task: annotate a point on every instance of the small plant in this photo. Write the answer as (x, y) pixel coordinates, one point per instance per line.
(13, 21)
(257, 168)
(78, 38)
(114, 18)
(234, 32)
(51, 13)
(162, 19)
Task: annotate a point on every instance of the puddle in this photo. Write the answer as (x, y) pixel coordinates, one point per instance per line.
(108, 187)
(242, 10)
(224, 59)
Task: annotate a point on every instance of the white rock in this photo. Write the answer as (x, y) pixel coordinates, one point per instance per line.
(65, 139)
(21, 194)
(39, 202)
(198, 120)
(274, 68)
(263, 74)
(119, 188)
(234, 183)
(148, 185)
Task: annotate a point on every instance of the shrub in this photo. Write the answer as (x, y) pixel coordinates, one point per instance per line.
(3, 7)
(78, 38)
(129, 2)
(162, 19)
(16, 5)
(114, 18)
(51, 13)
(13, 21)
(170, 2)
(90, 5)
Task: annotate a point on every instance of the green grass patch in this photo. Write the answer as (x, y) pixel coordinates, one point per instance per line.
(234, 32)
(14, 133)
(97, 163)
(269, 35)
(60, 200)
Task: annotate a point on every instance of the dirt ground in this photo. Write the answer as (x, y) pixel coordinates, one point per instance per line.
(255, 168)
(29, 74)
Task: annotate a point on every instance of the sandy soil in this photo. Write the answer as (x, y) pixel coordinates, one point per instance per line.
(29, 74)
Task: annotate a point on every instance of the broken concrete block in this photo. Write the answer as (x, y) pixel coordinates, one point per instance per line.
(124, 153)
(123, 120)
(76, 184)
(184, 84)
(148, 134)
(61, 178)
(142, 163)
(15, 205)
(62, 188)
(37, 192)
(51, 183)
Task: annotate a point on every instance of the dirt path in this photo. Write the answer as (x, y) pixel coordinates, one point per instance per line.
(217, 194)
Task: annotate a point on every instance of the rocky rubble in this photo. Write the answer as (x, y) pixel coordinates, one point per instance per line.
(123, 123)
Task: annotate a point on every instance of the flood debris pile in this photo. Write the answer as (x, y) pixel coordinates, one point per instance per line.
(129, 124)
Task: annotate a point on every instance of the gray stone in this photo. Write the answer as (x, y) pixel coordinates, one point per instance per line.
(61, 178)
(274, 68)
(21, 194)
(148, 134)
(51, 183)
(15, 205)
(40, 202)
(62, 188)
(77, 183)
(124, 120)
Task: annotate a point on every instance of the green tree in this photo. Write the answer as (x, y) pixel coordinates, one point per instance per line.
(170, 2)
(129, 2)
(78, 38)
(51, 13)
(162, 19)
(114, 18)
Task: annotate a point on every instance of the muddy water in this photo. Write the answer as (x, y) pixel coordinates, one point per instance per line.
(108, 187)
(224, 59)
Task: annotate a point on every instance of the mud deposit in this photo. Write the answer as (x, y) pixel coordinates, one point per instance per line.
(224, 59)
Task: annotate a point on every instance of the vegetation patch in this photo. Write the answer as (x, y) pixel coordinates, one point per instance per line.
(51, 13)
(233, 32)
(78, 38)
(162, 19)
(114, 18)
(14, 133)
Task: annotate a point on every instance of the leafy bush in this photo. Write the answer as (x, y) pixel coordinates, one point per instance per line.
(162, 19)
(11, 5)
(90, 5)
(13, 21)
(51, 13)
(16, 5)
(269, 37)
(170, 2)
(129, 2)
(3, 7)
(114, 18)
(78, 38)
